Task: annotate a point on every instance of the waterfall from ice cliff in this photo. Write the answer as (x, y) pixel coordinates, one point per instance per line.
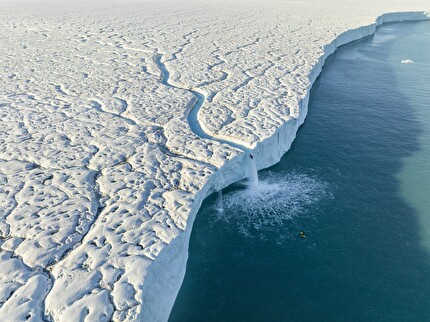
(220, 206)
(252, 173)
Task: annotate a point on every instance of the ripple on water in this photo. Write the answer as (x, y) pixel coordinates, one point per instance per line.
(266, 211)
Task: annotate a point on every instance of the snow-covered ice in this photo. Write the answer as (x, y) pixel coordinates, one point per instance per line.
(102, 176)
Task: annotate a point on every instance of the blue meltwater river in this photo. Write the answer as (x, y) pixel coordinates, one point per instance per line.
(356, 182)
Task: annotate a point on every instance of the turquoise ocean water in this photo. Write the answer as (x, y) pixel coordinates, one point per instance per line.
(356, 182)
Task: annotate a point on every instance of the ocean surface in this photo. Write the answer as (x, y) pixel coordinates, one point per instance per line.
(356, 183)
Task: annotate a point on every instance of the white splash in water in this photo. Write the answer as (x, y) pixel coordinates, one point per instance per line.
(268, 208)
(407, 61)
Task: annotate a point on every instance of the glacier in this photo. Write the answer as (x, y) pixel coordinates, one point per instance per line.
(101, 174)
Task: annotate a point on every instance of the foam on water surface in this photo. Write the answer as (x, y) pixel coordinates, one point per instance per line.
(266, 209)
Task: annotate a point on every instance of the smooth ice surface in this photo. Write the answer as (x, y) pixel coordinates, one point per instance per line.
(101, 174)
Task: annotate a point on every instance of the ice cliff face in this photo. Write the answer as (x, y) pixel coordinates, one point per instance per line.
(102, 175)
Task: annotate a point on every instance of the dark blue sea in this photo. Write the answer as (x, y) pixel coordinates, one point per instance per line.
(339, 230)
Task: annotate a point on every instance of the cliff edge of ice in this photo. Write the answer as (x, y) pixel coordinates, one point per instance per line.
(159, 298)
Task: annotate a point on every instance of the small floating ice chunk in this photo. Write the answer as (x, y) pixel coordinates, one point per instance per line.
(407, 61)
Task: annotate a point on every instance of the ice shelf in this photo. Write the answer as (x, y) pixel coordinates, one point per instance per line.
(101, 175)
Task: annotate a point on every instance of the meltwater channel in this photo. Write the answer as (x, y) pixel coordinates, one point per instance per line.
(356, 182)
